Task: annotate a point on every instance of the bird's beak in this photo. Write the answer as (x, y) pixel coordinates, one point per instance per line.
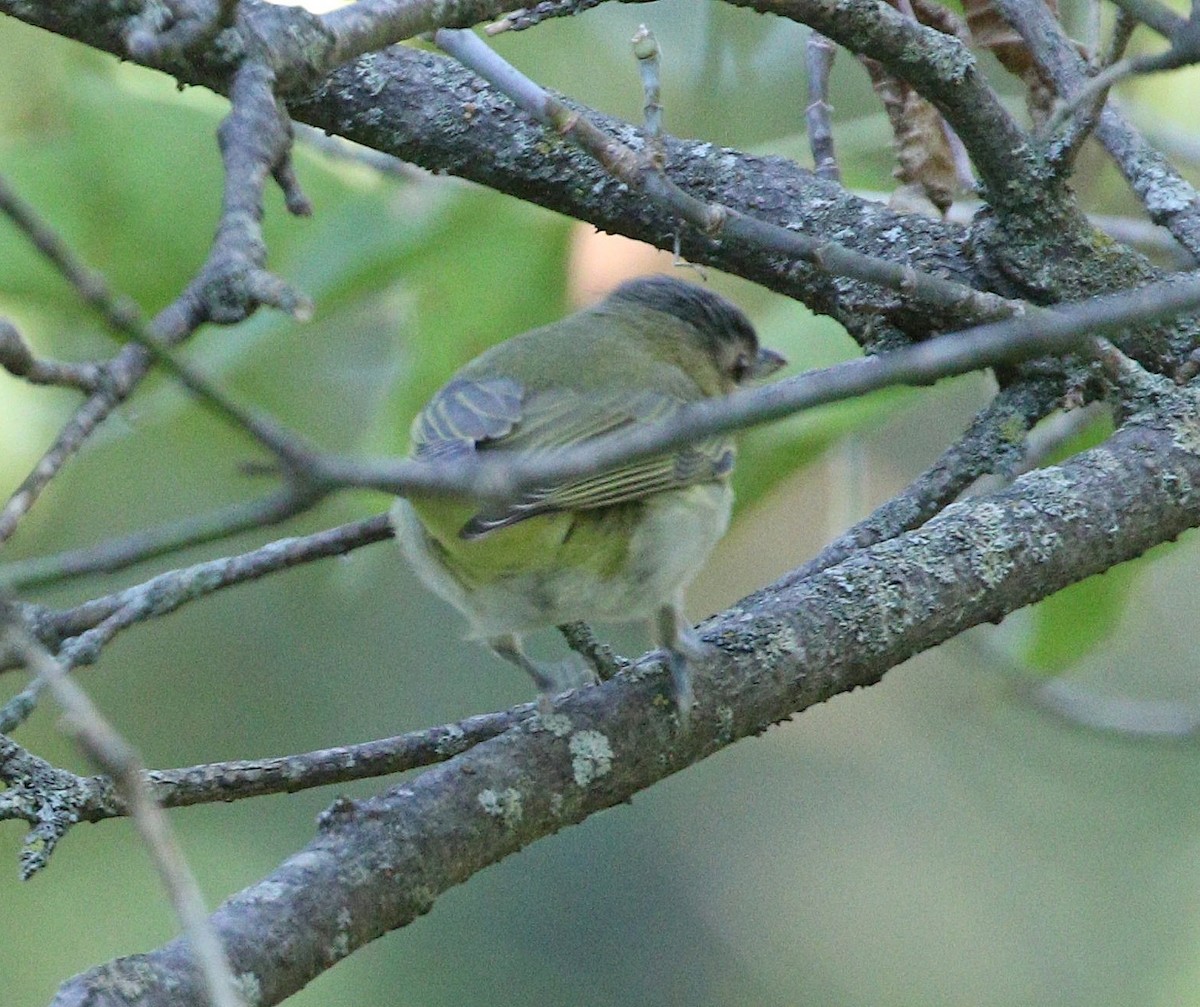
(767, 363)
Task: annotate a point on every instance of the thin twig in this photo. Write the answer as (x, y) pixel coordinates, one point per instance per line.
(123, 373)
(115, 757)
(116, 554)
(1041, 443)
(86, 628)
(603, 659)
(93, 799)
(988, 445)
(17, 358)
(1137, 232)
(18, 709)
(942, 68)
(819, 53)
(645, 50)
(346, 150)
(1037, 333)
(1154, 15)
(1118, 42)
(1168, 197)
(713, 219)
(371, 25)
(82, 632)
(229, 287)
(1078, 704)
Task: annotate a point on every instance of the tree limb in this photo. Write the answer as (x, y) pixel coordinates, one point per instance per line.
(378, 864)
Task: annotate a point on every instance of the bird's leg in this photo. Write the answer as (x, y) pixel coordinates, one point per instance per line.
(551, 679)
(674, 633)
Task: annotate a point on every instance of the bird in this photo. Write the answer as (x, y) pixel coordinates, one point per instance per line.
(619, 546)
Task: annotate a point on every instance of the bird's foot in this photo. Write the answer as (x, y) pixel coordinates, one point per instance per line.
(553, 678)
(680, 666)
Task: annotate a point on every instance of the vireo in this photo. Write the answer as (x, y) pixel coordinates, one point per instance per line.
(616, 547)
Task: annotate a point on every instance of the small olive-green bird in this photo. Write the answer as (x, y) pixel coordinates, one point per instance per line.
(615, 547)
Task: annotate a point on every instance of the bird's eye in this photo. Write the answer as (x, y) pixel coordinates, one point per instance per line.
(740, 368)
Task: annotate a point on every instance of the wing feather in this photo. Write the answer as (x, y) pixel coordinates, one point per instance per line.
(554, 423)
(470, 416)
(466, 414)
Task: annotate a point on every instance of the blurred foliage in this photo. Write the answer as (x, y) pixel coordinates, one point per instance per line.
(931, 841)
(1064, 628)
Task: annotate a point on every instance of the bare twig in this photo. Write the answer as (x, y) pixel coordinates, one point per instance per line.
(603, 659)
(46, 797)
(347, 150)
(116, 554)
(122, 374)
(123, 316)
(713, 219)
(819, 53)
(1154, 15)
(528, 17)
(369, 25)
(17, 709)
(1118, 41)
(82, 632)
(43, 789)
(1078, 117)
(645, 50)
(942, 68)
(108, 750)
(1168, 197)
(1137, 232)
(17, 358)
(1083, 109)
(1077, 704)
(89, 626)
(1034, 334)
(988, 445)
(255, 140)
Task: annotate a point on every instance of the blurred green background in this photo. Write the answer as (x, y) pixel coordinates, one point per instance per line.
(938, 839)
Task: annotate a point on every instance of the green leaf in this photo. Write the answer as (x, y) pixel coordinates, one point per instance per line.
(1068, 625)
(1077, 620)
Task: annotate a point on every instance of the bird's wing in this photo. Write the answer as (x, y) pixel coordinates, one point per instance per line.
(554, 422)
(465, 414)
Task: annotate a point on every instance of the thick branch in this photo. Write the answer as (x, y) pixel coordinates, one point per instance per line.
(378, 864)
(431, 111)
(428, 110)
(932, 294)
(1168, 197)
(373, 24)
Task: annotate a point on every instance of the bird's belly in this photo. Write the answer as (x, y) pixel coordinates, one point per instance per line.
(617, 570)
